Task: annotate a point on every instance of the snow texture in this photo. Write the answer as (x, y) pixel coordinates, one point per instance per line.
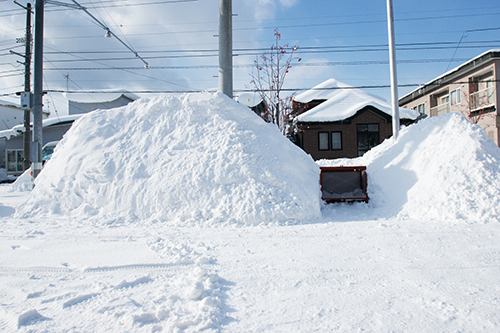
(421, 256)
(168, 158)
(440, 168)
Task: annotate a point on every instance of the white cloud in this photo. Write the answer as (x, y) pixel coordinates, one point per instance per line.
(289, 3)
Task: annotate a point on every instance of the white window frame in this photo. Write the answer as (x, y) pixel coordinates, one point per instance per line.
(455, 97)
(18, 153)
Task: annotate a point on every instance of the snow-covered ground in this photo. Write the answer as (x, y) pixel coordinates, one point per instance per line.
(422, 256)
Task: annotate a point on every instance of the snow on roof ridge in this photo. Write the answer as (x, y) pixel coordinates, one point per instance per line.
(346, 103)
(8, 103)
(321, 91)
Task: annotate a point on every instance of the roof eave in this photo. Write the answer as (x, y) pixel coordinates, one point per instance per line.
(449, 76)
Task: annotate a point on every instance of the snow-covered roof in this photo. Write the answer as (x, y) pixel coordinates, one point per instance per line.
(326, 90)
(451, 71)
(249, 99)
(9, 103)
(19, 129)
(344, 103)
(99, 97)
(322, 91)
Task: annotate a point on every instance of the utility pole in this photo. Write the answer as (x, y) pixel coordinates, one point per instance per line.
(394, 75)
(27, 88)
(226, 47)
(38, 89)
(26, 97)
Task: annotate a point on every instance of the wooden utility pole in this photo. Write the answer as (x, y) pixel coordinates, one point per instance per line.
(27, 88)
(226, 47)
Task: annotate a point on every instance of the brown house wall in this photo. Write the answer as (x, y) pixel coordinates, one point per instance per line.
(349, 135)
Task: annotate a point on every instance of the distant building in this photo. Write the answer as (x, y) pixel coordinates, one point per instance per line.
(253, 101)
(84, 103)
(11, 115)
(54, 128)
(335, 120)
(469, 89)
(12, 139)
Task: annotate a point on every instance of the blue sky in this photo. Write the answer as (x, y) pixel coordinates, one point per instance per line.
(179, 41)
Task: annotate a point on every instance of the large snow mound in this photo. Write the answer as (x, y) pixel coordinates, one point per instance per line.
(440, 168)
(197, 158)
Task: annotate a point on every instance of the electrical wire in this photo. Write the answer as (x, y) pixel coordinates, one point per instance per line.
(326, 63)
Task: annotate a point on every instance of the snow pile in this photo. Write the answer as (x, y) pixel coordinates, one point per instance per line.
(440, 168)
(4, 177)
(196, 158)
(23, 182)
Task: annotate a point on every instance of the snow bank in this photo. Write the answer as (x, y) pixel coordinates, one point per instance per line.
(200, 159)
(440, 168)
(4, 177)
(23, 182)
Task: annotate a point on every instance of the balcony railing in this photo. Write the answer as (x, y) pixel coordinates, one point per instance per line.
(482, 99)
(440, 109)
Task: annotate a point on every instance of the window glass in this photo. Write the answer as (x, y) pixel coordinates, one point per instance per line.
(455, 97)
(336, 141)
(368, 137)
(11, 161)
(323, 141)
(444, 99)
(19, 160)
(362, 128)
(14, 160)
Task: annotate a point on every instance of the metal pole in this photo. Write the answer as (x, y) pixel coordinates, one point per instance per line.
(38, 89)
(27, 88)
(226, 47)
(394, 79)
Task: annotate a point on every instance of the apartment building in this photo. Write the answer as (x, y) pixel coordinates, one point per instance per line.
(469, 89)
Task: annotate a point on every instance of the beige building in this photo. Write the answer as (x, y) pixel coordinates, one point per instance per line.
(469, 89)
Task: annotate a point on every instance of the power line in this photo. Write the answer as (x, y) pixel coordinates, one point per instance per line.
(12, 12)
(326, 63)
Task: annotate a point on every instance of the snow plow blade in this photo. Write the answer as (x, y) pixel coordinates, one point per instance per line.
(344, 184)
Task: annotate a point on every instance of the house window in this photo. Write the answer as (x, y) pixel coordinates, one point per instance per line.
(421, 108)
(14, 160)
(455, 97)
(336, 140)
(323, 143)
(368, 137)
(444, 100)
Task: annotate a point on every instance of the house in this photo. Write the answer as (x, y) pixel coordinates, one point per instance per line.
(469, 89)
(336, 120)
(11, 115)
(11, 147)
(53, 130)
(84, 103)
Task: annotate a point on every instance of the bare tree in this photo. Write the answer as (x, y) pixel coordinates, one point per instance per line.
(268, 77)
